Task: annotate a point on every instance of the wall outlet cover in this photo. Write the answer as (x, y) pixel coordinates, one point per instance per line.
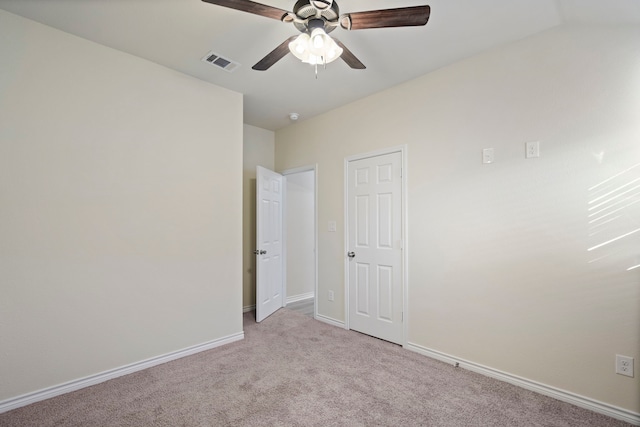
(532, 149)
(624, 365)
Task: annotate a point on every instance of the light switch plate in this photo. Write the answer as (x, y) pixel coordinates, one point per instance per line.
(487, 155)
(332, 226)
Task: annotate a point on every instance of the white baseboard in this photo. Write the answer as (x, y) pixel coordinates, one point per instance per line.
(57, 390)
(556, 393)
(248, 308)
(330, 321)
(301, 297)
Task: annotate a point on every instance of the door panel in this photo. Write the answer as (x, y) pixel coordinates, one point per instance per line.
(362, 224)
(385, 218)
(374, 203)
(385, 292)
(269, 286)
(362, 288)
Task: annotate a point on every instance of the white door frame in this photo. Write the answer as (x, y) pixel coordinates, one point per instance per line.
(286, 172)
(402, 149)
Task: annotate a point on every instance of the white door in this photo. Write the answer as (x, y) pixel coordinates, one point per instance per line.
(269, 286)
(374, 203)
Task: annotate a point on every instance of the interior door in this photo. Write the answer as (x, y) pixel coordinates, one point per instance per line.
(374, 203)
(269, 283)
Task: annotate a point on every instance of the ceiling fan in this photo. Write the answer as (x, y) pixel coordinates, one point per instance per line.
(315, 19)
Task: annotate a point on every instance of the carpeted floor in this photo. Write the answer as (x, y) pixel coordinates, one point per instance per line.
(291, 370)
(305, 307)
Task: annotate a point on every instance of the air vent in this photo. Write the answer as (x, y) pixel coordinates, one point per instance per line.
(220, 62)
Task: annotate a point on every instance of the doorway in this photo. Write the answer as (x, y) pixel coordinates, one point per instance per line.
(300, 240)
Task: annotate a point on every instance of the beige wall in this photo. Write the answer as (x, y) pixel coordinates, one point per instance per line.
(258, 151)
(120, 209)
(499, 268)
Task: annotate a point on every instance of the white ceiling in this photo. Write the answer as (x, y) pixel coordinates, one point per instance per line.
(178, 33)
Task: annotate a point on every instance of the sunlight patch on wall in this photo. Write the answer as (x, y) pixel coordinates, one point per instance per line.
(613, 214)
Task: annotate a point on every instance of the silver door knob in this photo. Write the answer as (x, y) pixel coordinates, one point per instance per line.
(351, 254)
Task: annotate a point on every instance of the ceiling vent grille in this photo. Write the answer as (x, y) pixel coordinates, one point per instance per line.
(218, 61)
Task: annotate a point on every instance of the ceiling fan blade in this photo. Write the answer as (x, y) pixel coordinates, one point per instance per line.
(401, 17)
(274, 56)
(251, 7)
(349, 57)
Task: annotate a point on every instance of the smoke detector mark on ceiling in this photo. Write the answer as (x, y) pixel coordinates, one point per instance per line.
(220, 62)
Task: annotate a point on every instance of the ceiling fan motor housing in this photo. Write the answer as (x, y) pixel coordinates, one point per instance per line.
(304, 9)
(321, 4)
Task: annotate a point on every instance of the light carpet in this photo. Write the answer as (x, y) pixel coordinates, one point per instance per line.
(291, 370)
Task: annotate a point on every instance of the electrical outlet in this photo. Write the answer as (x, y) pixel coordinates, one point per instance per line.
(532, 149)
(330, 295)
(624, 365)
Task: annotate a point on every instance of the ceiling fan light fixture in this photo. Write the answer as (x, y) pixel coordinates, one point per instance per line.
(333, 53)
(318, 38)
(323, 47)
(300, 46)
(312, 59)
(315, 49)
